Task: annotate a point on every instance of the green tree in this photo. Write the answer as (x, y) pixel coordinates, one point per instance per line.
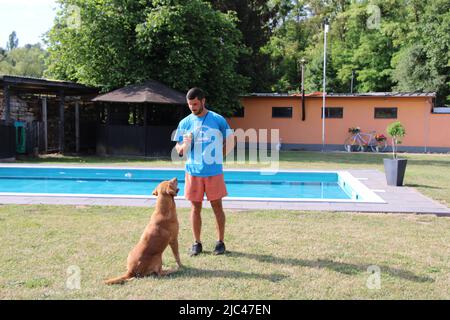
(24, 61)
(179, 43)
(94, 42)
(423, 63)
(362, 43)
(256, 21)
(13, 41)
(354, 44)
(288, 43)
(192, 44)
(414, 71)
(299, 34)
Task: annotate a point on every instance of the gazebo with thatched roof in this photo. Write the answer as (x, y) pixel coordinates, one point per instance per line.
(139, 119)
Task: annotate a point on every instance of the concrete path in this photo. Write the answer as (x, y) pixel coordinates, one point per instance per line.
(398, 200)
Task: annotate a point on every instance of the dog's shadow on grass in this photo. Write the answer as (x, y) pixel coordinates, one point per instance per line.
(187, 271)
(341, 267)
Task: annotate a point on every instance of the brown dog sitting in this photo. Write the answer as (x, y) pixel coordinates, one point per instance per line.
(146, 257)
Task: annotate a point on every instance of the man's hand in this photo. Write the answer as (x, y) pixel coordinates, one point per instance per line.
(187, 139)
(185, 145)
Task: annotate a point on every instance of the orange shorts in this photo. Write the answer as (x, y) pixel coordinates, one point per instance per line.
(195, 187)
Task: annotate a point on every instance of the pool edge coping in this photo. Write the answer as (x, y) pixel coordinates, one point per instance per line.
(354, 183)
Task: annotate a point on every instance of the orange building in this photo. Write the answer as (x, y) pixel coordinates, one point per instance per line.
(427, 128)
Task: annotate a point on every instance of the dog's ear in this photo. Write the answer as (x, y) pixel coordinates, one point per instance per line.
(170, 190)
(155, 192)
(172, 187)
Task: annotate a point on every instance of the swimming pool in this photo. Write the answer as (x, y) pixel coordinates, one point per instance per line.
(283, 185)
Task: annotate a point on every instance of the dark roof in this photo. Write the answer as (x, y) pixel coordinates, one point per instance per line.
(45, 86)
(267, 95)
(346, 95)
(151, 91)
(379, 94)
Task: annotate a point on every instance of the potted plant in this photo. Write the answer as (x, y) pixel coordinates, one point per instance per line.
(381, 142)
(395, 167)
(354, 130)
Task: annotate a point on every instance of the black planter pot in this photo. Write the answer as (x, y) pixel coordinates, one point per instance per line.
(395, 171)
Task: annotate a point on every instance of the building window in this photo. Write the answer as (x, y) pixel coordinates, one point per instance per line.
(333, 112)
(385, 113)
(281, 112)
(239, 113)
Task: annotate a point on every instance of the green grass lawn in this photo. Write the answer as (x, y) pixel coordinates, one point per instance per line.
(272, 254)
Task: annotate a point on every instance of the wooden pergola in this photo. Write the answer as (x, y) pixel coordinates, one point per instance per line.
(25, 85)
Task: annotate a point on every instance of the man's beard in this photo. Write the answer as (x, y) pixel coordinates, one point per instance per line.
(199, 110)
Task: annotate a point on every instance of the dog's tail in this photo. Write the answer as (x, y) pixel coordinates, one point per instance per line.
(120, 280)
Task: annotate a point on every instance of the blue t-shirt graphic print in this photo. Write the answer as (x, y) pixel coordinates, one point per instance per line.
(208, 133)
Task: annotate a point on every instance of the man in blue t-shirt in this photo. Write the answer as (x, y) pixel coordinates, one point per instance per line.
(204, 137)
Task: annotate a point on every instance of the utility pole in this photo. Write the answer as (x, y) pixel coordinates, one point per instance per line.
(351, 84)
(302, 61)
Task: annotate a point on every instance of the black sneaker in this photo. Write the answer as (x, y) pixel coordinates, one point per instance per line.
(220, 248)
(196, 249)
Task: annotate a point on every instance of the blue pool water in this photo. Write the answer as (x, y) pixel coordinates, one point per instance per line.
(137, 182)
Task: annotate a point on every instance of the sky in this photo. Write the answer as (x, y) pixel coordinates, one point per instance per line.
(29, 18)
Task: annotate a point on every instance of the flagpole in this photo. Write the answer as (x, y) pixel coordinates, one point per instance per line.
(326, 26)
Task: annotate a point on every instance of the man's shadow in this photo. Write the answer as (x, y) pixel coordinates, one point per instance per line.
(345, 268)
(218, 273)
(341, 267)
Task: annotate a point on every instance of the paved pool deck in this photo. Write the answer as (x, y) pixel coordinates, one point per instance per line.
(397, 200)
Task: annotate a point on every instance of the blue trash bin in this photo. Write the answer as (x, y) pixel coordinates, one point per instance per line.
(20, 136)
